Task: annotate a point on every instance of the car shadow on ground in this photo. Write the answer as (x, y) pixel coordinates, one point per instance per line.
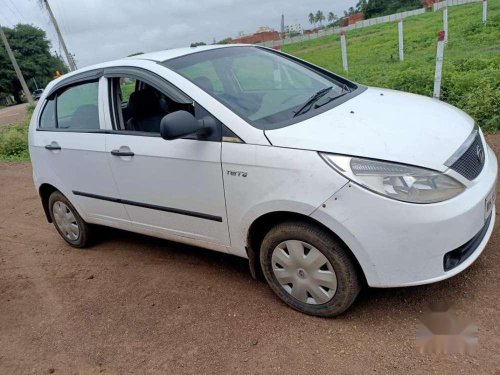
(161, 248)
(405, 302)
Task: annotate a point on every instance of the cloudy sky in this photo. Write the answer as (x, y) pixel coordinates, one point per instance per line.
(100, 30)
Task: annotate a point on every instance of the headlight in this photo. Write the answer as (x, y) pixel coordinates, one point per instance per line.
(398, 181)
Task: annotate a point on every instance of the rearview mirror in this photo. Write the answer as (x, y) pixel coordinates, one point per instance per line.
(179, 124)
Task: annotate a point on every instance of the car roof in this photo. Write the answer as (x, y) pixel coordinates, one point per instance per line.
(169, 54)
(159, 57)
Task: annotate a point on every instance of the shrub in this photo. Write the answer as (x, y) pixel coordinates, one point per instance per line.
(14, 142)
(30, 109)
(482, 103)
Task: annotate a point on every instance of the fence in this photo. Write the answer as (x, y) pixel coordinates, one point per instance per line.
(364, 23)
(8, 100)
(338, 30)
(449, 3)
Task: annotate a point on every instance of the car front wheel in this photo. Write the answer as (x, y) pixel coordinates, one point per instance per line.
(309, 269)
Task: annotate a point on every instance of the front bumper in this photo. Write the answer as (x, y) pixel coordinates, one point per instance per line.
(404, 244)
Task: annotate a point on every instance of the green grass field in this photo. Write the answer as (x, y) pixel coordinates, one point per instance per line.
(471, 72)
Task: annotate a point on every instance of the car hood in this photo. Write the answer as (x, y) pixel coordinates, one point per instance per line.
(383, 124)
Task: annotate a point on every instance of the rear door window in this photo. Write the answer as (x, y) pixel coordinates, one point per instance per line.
(77, 107)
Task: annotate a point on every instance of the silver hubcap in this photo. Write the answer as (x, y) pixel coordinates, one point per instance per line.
(304, 272)
(66, 221)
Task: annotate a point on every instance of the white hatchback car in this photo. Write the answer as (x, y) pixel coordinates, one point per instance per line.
(322, 183)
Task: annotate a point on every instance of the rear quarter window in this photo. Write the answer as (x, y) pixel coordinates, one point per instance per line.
(48, 117)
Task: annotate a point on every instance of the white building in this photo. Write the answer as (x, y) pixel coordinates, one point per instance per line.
(295, 28)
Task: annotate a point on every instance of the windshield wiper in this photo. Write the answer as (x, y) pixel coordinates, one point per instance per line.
(345, 90)
(308, 104)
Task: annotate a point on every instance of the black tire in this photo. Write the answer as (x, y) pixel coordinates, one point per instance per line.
(84, 230)
(347, 277)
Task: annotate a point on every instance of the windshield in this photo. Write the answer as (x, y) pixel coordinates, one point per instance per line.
(267, 89)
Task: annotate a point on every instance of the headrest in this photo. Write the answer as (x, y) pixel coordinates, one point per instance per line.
(143, 103)
(86, 117)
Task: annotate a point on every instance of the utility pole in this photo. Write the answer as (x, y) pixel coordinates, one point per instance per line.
(16, 68)
(282, 26)
(439, 64)
(485, 11)
(71, 62)
(401, 40)
(343, 48)
(445, 23)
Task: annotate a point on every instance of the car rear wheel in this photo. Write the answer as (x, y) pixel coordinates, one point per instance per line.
(309, 269)
(67, 221)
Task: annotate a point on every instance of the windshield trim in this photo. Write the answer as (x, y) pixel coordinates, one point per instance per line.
(355, 88)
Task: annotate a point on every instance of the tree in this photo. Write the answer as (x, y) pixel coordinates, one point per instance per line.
(361, 6)
(332, 17)
(225, 41)
(350, 12)
(32, 50)
(376, 8)
(312, 19)
(135, 54)
(196, 44)
(319, 17)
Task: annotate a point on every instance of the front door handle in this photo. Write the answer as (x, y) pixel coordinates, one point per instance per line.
(54, 146)
(122, 153)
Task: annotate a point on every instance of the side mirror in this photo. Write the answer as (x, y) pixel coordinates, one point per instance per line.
(179, 124)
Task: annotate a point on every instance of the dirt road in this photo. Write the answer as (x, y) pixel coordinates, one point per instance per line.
(12, 115)
(133, 304)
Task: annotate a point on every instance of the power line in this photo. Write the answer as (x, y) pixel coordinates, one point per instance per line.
(44, 21)
(7, 7)
(56, 45)
(69, 58)
(62, 17)
(39, 19)
(16, 11)
(2, 20)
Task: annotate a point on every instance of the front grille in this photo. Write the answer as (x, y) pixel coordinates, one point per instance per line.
(469, 159)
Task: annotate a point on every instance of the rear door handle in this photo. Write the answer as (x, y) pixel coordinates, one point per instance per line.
(53, 146)
(122, 153)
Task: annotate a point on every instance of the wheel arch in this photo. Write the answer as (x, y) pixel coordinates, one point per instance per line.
(263, 224)
(45, 190)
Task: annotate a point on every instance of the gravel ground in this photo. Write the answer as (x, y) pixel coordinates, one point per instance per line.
(134, 304)
(12, 115)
